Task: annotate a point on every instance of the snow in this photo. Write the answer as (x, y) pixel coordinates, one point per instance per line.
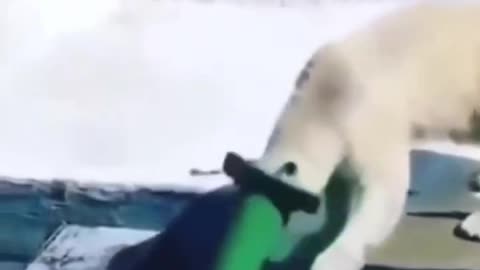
(72, 249)
(139, 92)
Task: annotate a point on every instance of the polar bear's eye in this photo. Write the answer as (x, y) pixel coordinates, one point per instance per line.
(289, 168)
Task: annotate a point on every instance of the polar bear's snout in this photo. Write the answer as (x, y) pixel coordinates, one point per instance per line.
(288, 169)
(295, 169)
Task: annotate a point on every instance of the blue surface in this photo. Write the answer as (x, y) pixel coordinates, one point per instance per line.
(29, 213)
(441, 183)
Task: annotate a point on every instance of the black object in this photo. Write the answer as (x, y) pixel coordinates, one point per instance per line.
(285, 197)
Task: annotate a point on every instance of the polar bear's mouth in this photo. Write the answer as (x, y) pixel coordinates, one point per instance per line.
(337, 200)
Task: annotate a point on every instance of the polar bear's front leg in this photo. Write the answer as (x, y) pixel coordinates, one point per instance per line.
(469, 228)
(373, 221)
(382, 162)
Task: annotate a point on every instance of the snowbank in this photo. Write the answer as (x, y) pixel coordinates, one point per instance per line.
(73, 249)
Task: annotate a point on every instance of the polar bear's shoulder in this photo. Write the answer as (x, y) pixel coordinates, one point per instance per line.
(411, 34)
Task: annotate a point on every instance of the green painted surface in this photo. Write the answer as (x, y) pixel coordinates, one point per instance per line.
(254, 237)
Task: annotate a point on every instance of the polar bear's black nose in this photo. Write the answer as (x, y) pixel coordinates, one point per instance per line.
(290, 168)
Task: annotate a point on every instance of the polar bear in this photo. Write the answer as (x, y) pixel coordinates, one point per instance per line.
(412, 74)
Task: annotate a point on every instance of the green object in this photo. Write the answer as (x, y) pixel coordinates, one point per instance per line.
(259, 230)
(240, 226)
(255, 236)
(258, 226)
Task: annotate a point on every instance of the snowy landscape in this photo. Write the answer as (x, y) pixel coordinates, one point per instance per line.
(122, 89)
(130, 95)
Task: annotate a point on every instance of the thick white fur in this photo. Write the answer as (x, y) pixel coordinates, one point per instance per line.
(417, 66)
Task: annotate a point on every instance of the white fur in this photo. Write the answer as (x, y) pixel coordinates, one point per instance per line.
(418, 66)
(471, 225)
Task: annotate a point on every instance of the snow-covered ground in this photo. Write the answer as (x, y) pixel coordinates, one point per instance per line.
(71, 248)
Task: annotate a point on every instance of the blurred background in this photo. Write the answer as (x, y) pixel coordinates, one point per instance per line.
(107, 105)
(143, 90)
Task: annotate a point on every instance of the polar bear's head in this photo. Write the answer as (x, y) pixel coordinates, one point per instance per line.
(306, 133)
(301, 151)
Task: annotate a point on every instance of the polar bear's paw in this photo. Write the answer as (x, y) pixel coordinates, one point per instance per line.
(469, 228)
(337, 259)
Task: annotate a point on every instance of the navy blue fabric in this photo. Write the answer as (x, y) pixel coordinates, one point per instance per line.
(192, 241)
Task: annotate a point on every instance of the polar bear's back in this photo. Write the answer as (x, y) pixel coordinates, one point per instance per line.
(423, 60)
(423, 34)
